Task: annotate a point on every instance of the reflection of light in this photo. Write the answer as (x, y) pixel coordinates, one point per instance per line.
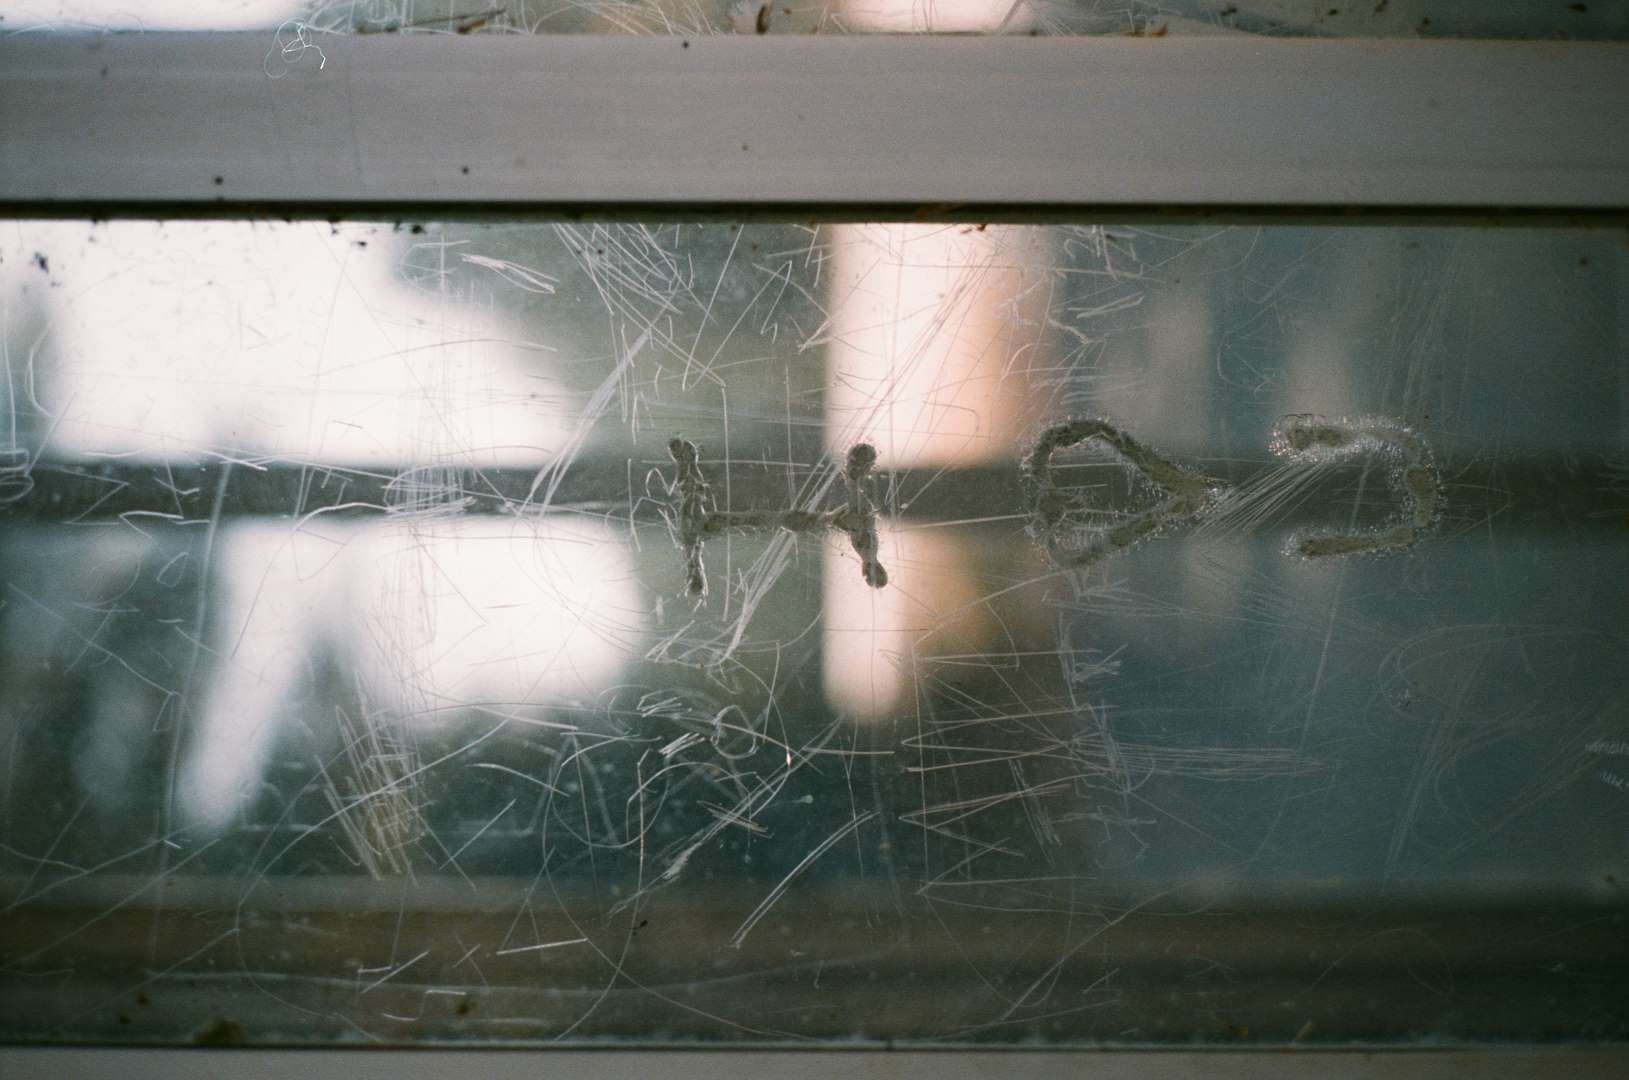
(871, 634)
(497, 611)
(151, 14)
(168, 340)
(432, 618)
(938, 16)
(926, 322)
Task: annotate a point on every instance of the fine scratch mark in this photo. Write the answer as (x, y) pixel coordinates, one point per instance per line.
(541, 947)
(775, 894)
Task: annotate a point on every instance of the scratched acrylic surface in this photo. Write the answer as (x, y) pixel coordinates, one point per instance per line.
(633, 632)
(295, 29)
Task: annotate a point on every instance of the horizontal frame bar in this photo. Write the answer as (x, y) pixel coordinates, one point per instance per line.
(241, 123)
(1523, 491)
(1441, 1064)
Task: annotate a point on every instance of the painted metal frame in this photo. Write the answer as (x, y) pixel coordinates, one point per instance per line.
(234, 123)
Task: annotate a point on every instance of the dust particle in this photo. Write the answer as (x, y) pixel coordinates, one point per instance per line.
(222, 1031)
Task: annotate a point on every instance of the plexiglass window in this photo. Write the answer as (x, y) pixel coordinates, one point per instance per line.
(422, 632)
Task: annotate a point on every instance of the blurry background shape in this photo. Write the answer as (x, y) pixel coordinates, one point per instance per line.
(351, 353)
(937, 16)
(1169, 402)
(872, 636)
(1325, 341)
(928, 325)
(433, 621)
(933, 332)
(176, 341)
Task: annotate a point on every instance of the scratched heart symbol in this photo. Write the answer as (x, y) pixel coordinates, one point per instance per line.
(1183, 495)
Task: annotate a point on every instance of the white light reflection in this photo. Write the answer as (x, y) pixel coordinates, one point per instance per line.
(1170, 403)
(872, 636)
(926, 326)
(938, 16)
(304, 344)
(929, 324)
(175, 342)
(149, 14)
(481, 618)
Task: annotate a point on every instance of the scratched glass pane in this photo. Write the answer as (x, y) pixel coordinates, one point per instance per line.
(630, 632)
(295, 29)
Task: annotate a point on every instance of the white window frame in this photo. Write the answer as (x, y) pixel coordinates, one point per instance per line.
(244, 124)
(205, 124)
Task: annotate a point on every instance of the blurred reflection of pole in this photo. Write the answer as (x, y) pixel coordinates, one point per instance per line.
(929, 327)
